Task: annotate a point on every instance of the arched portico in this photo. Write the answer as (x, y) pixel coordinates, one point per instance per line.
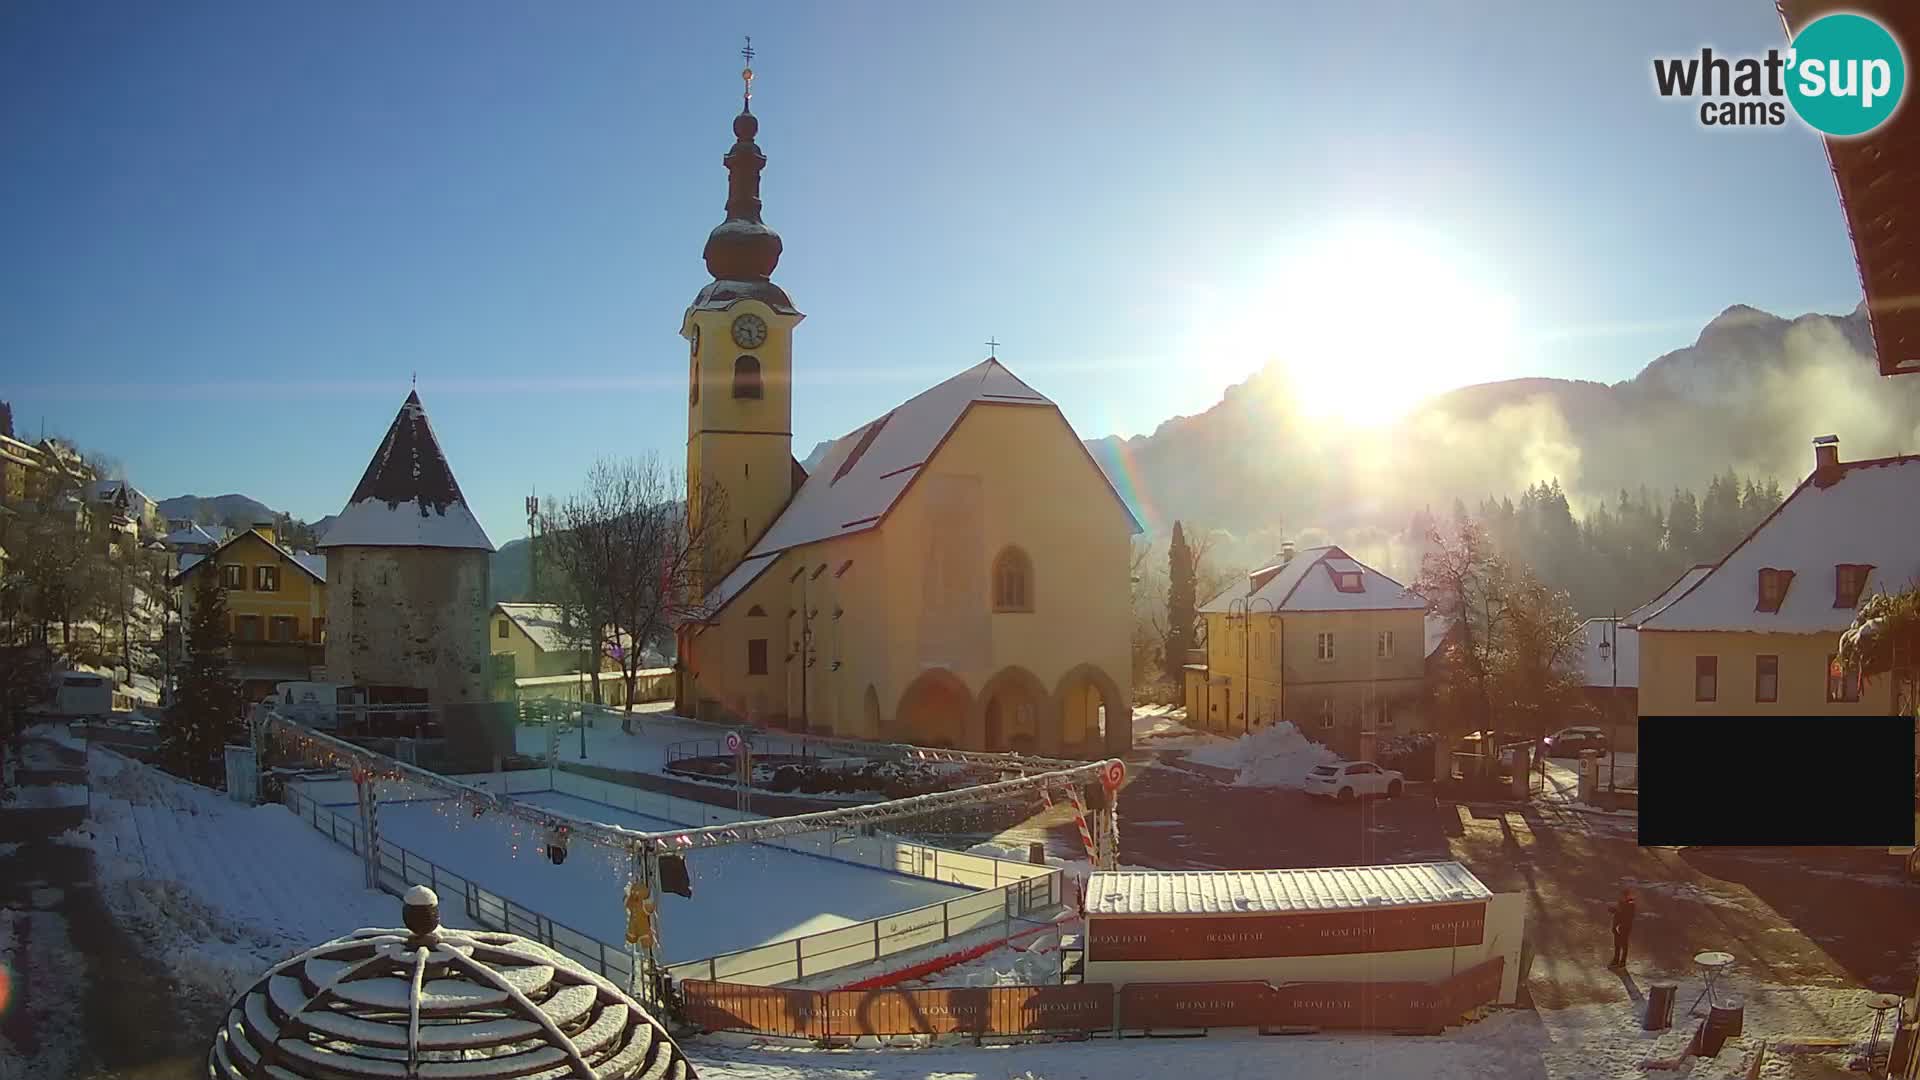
(1012, 712)
(1086, 701)
(933, 711)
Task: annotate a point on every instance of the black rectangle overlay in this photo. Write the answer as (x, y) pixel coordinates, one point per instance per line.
(1768, 781)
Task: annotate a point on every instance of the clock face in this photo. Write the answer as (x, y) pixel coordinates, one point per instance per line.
(749, 331)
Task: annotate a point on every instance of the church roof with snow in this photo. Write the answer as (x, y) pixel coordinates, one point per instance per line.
(866, 471)
(1855, 514)
(408, 496)
(1317, 579)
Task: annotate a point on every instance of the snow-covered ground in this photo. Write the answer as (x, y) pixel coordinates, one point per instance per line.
(34, 947)
(219, 890)
(643, 751)
(1164, 727)
(1590, 1042)
(744, 895)
(1276, 756)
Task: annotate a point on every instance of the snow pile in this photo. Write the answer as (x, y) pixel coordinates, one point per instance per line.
(1276, 756)
(218, 890)
(1164, 727)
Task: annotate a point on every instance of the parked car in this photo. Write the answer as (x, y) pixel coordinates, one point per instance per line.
(1570, 742)
(1349, 780)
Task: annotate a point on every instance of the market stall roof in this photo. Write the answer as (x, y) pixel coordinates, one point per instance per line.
(1232, 892)
(1877, 174)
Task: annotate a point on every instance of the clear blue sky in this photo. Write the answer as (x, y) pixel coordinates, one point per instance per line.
(233, 230)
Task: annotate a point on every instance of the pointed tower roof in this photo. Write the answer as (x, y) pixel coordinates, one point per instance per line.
(408, 496)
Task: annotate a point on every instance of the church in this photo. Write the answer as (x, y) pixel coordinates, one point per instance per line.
(953, 573)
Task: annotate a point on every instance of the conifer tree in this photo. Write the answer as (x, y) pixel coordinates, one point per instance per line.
(205, 714)
(1180, 603)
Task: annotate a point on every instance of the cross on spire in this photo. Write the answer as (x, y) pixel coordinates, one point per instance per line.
(746, 73)
(994, 346)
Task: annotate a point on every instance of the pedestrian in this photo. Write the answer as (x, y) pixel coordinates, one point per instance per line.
(1622, 927)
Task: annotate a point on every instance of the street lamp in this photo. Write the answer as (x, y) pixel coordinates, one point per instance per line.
(1244, 606)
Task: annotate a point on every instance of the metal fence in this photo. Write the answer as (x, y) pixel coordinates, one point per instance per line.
(1009, 895)
(762, 744)
(401, 869)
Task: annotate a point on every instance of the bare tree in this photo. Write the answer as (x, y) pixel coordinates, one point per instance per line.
(633, 560)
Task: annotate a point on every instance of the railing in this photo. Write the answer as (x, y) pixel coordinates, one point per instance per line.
(1006, 892)
(401, 869)
(761, 744)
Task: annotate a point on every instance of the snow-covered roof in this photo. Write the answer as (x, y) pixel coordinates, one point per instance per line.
(1226, 892)
(867, 470)
(408, 496)
(1867, 514)
(1309, 583)
(313, 564)
(1598, 671)
(1438, 626)
(1681, 584)
(189, 536)
(540, 622)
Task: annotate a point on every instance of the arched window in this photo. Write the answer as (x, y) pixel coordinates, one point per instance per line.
(746, 377)
(1012, 581)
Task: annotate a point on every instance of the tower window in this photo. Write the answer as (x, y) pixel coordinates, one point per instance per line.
(757, 656)
(693, 385)
(746, 377)
(1012, 581)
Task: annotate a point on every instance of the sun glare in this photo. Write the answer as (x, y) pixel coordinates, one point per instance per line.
(1365, 322)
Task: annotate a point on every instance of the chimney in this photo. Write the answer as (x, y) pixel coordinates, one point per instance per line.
(265, 528)
(1826, 460)
(1286, 552)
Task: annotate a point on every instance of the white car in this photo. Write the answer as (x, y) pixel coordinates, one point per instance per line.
(1349, 780)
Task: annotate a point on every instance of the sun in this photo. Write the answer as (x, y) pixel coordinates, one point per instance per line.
(1366, 320)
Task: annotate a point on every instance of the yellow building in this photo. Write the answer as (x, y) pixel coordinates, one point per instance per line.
(1317, 639)
(535, 651)
(1757, 633)
(277, 603)
(953, 573)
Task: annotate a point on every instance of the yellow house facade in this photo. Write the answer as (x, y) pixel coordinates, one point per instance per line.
(276, 605)
(1756, 633)
(1319, 640)
(953, 573)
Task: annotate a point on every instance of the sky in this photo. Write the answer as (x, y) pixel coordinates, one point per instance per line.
(236, 232)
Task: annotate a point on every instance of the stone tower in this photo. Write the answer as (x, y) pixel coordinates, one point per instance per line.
(407, 574)
(740, 368)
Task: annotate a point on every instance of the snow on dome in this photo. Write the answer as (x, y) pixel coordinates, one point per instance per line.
(408, 496)
(421, 896)
(394, 1003)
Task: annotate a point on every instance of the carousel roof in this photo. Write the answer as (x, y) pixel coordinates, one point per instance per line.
(425, 1002)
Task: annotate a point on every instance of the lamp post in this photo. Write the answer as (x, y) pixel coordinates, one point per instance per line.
(1244, 606)
(1610, 651)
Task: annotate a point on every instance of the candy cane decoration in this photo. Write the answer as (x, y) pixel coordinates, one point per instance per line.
(1080, 819)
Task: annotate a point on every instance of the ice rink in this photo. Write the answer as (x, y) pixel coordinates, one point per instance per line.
(743, 895)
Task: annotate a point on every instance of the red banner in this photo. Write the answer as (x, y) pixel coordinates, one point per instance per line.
(1320, 933)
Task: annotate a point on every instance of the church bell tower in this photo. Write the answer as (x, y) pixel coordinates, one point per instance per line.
(739, 331)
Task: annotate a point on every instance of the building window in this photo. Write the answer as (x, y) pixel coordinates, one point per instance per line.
(1843, 687)
(1766, 678)
(1386, 715)
(283, 628)
(501, 630)
(746, 377)
(246, 627)
(1706, 678)
(1326, 713)
(233, 576)
(693, 385)
(320, 631)
(1273, 646)
(1012, 581)
(1323, 647)
(1849, 581)
(1256, 648)
(266, 579)
(1383, 645)
(1773, 589)
(757, 656)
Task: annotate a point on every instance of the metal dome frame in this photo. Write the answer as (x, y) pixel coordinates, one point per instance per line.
(426, 1002)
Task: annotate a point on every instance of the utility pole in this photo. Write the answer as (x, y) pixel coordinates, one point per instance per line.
(1613, 704)
(533, 547)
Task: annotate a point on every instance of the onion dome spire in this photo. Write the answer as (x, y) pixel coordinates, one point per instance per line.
(742, 248)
